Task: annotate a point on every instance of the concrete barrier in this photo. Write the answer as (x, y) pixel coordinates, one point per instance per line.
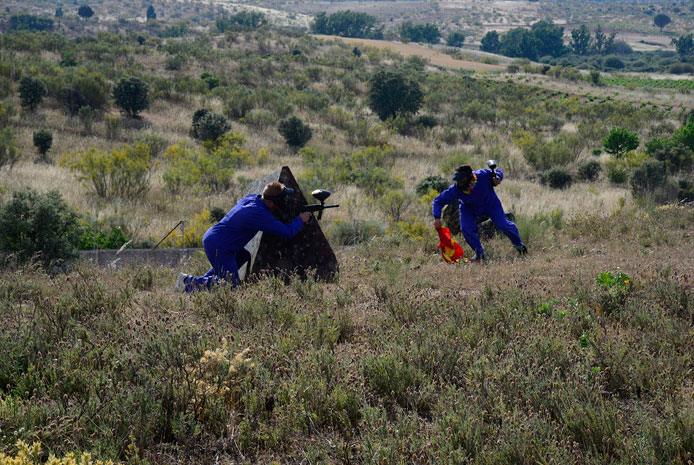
(156, 257)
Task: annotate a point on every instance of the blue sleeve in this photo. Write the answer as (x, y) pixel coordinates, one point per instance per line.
(443, 199)
(270, 224)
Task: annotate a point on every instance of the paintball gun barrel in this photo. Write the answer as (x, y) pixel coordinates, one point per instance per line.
(321, 195)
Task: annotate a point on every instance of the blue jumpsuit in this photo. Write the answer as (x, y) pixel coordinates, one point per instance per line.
(224, 242)
(482, 200)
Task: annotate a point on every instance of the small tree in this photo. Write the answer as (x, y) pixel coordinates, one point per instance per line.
(43, 139)
(620, 141)
(490, 42)
(580, 40)
(85, 11)
(455, 39)
(131, 95)
(684, 45)
(393, 94)
(661, 21)
(31, 92)
(151, 14)
(295, 132)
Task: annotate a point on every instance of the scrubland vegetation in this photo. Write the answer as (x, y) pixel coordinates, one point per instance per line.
(577, 353)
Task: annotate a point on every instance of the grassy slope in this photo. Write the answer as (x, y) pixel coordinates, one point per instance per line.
(403, 359)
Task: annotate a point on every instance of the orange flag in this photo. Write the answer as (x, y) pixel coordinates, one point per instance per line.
(450, 250)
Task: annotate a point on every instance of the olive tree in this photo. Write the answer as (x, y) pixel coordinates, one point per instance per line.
(131, 95)
(392, 94)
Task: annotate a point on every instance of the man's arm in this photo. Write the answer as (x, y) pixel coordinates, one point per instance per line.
(443, 199)
(270, 224)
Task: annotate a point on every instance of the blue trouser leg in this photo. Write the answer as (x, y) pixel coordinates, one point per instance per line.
(496, 213)
(468, 226)
(225, 265)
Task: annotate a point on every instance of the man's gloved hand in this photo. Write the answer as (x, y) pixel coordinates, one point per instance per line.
(496, 180)
(437, 223)
(305, 216)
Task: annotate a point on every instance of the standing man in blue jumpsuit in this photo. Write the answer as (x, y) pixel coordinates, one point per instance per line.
(474, 191)
(224, 243)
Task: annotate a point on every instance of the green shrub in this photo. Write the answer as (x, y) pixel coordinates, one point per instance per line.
(354, 232)
(589, 170)
(435, 182)
(210, 169)
(649, 178)
(7, 111)
(617, 174)
(209, 126)
(613, 62)
(543, 155)
(31, 92)
(686, 190)
(113, 126)
(392, 93)
(43, 139)
(8, 148)
(295, 132)
(123, 172)
(131, 95)
(557, 178)
(33, 223)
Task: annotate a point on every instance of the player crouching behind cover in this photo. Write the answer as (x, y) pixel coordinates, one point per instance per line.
(225, 242)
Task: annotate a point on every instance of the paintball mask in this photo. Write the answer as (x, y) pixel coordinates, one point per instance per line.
(278, 193)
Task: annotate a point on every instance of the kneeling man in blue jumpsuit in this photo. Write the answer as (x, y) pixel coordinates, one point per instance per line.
(224, 243)
(474, 191)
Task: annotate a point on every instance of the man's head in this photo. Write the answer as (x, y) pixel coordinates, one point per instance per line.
(463, 176)
(277, 193)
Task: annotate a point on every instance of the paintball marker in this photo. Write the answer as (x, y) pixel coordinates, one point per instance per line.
(321, 195)
(492, 166)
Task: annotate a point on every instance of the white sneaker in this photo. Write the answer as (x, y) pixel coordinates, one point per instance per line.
(181, 282)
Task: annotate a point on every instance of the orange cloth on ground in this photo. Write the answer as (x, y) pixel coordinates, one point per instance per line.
(450, 250)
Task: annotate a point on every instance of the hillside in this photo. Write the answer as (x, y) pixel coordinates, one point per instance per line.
(579, 352)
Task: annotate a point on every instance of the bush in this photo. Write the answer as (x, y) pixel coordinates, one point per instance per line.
(613, 62)
(8, 148)
(455, 39)
(435, 182)
(43, 139)
(210, 169)
(131, 95)
(123, 172)
(427, 121)
(648, 178)
(557, 178)
(33, 223)
(31, 92)
(354, 232)
(543, 155)
(589, 170)
(617, 174)
(209, 126)
(73, 100)
(295, 132)
(681, 68)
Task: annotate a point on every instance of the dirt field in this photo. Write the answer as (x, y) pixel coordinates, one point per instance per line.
(434, 57)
